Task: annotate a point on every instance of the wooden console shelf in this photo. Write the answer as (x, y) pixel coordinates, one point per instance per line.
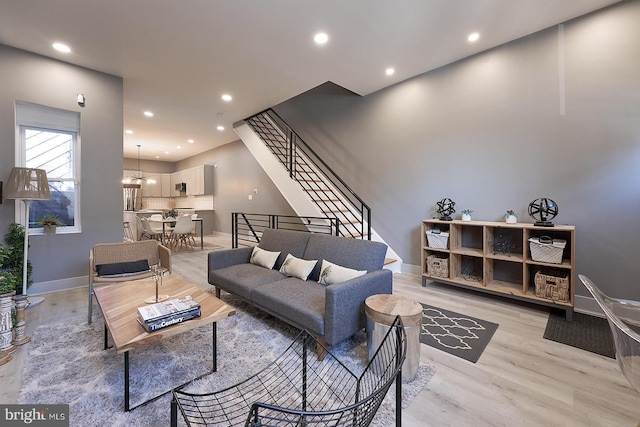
(495, 257)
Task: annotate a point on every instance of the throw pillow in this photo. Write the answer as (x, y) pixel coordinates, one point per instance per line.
(263, 258)
(296, 267)
(123, 268)
(333, 273)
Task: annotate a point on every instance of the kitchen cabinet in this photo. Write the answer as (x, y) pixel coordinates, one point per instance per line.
(165, 185)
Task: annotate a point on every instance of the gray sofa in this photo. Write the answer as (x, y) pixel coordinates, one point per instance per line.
(331, 313)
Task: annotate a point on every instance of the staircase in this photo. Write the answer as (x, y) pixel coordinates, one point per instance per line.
(306, 182)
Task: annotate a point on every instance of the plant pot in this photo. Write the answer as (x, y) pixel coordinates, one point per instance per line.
(511, 219)
(466, 217)
(49, 229)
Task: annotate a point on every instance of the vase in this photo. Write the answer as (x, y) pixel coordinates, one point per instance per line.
(466, 217)
(6, 324)
(511, 219)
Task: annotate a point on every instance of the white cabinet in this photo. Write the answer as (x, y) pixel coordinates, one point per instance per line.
(165, 185)
(152, 186)
(176, 178)
(189, 178)
(203, 183)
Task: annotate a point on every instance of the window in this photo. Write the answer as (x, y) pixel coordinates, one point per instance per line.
(48, 139)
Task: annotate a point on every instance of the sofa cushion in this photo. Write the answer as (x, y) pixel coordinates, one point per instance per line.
(296, 267)
(351, 253)
(288, 242)
(331, 273)
(298, 302)
(242, 279)
(263, 257)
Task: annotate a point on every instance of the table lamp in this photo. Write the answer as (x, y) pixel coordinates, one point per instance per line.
(27, 184)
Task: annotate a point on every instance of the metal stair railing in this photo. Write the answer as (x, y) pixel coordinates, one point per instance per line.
(247, 228)
(328, 191)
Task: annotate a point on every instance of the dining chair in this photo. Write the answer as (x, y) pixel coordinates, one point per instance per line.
(181, 233)
(149, 232)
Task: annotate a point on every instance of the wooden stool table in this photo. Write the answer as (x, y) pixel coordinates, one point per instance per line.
(381, 311)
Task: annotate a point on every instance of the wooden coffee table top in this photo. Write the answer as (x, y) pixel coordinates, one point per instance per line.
(119, 303)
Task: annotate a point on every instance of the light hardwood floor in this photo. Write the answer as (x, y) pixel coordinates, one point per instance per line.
(521, 379)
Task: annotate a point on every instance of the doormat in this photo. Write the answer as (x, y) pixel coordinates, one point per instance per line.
(455, 333)
(585, 332)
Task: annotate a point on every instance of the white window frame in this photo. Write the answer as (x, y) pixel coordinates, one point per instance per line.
(39, 117)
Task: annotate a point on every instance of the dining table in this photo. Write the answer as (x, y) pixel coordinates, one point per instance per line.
(172, 221)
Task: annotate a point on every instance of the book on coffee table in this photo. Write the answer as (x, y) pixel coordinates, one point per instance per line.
(165, 309)
(163, 322)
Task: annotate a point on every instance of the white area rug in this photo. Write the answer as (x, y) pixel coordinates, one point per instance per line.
(67, 364)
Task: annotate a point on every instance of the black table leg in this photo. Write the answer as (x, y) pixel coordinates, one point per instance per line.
(215, 348)
(126, 381)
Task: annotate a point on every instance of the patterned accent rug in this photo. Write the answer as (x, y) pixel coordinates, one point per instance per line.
(585, 332)
(455, 333)
(66, 364)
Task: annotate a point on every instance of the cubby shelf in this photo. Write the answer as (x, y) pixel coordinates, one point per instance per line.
(495, 257)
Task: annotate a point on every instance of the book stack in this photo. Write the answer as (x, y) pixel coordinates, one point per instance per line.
(160, 315)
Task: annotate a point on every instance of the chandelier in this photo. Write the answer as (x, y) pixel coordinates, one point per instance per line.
(139, 178)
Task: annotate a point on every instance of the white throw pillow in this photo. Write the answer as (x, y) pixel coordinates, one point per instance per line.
(263, 258)
(296, 267)
(331, 273)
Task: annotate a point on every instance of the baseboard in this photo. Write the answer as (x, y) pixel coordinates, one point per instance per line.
(51, 286)
(411, 269)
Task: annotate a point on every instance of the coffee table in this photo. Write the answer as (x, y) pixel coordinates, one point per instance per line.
(119, 302)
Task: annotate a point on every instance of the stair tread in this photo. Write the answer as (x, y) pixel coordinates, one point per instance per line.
(388, 261)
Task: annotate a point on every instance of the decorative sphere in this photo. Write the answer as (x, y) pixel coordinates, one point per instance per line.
(543, 210)
(446, 207)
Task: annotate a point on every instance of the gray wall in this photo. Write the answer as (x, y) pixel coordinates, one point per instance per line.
(555, 114)
(40, 80)
(236, 175)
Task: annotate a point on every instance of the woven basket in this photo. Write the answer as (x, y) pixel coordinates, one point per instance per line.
(437, 241)
(437, 266)
(545, 249)
(552, 285)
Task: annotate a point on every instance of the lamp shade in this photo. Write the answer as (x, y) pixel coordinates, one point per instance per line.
(28, 184)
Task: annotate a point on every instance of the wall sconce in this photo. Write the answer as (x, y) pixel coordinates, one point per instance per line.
(81, 100)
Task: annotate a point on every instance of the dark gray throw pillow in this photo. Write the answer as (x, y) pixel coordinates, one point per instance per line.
(122, 268)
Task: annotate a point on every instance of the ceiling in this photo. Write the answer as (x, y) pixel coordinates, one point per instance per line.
(177, 58)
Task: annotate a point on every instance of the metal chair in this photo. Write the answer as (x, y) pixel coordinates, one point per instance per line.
(297, 389)
(624, 321)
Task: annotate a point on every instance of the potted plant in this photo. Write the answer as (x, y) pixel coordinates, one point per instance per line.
(466, 214)
(511, 216)
(49, 223)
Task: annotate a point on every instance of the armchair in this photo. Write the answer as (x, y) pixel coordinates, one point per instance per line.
(112, 253)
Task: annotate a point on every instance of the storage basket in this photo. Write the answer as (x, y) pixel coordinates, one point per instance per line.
(546, 249)
(552, 285)
(437, 266)
(437, 240)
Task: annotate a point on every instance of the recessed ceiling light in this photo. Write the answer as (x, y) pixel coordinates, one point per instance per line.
(220, 127)
(389, 71)
(473, 37)
(226, 97)
(178, 147)
(61, 47)
(190, 141)
(321, 38)
(166, 152)
(148, 113)
(157, 157)
(128, 131)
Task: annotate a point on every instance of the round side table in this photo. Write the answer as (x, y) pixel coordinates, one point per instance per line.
(381, 311)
